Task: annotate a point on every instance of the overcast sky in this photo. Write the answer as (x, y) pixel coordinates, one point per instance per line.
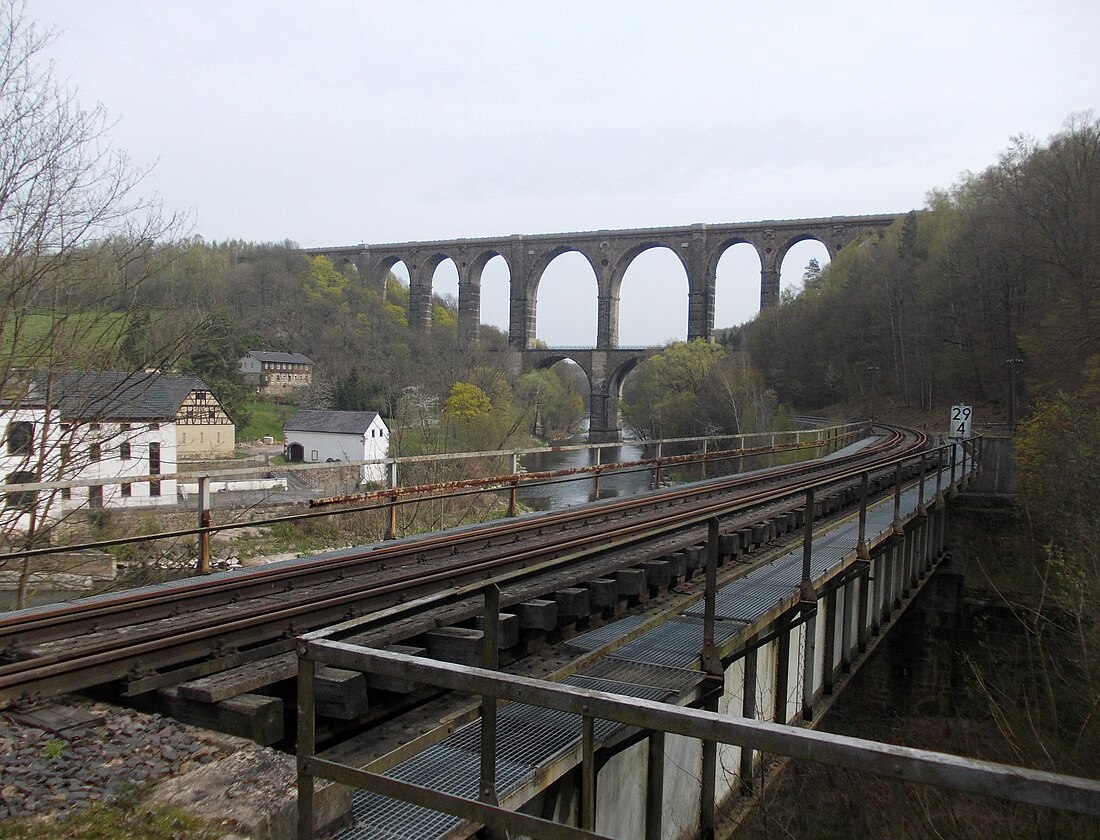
(332, 123)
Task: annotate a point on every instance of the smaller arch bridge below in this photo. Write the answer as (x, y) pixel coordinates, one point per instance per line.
(606, 370)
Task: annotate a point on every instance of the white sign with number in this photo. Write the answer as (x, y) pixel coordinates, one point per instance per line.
(962, 419)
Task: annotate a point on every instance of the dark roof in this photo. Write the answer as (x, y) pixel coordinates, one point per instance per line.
(118, 395)
(280, 358)
(336, 422)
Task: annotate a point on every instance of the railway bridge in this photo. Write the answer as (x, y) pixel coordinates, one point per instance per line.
(699, 248)
(650, 648)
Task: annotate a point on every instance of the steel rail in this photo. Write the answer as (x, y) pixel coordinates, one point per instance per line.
(40, 623)
(448, 572)
(102, 660)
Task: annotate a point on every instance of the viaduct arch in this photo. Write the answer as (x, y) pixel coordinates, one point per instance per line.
(609, 252)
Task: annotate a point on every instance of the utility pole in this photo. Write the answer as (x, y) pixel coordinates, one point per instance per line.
(1013, 366)
(873, 370)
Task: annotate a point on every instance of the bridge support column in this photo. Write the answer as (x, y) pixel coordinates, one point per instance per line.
(420, 307)
(607, 322)
(769, 289)
(603, 419)
(469, 309)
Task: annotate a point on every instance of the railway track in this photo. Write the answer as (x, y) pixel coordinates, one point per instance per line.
(142, 640)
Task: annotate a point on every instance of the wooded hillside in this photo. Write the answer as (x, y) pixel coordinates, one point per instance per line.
(998, 279)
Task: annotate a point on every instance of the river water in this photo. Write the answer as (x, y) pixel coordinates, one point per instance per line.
(582, 489)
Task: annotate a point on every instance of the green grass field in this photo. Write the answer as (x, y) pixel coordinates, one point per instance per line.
(89, 333)
(267, 419)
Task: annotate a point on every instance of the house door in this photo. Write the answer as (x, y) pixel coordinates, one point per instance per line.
(295, 453)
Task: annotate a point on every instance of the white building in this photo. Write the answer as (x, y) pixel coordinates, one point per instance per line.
(118, 425)
(30, 438)
(320, 436)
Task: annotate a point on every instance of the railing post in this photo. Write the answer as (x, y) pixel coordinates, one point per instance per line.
(596, 473)
(861, 543)
(782, 671)
(489, 659)
(703, 465)
(880, 586)
(806, 592)
(307, 745)
(897, 500)
(391, 523)
(708, 783)
(204, 522)
(514, 467)
(588, 774)
(711, 663)
(657, 469)
(808, 603)
(920, 485)
(391, 508)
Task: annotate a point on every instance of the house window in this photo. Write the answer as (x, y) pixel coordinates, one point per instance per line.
(154, 468)
(124, 450)
(94, 452)
(314, 455)
(21, 499)
(154, 426)
(124, 427)
(210, 414)
(95, 497)
(20, 437)
(66, 453)
(126, 486)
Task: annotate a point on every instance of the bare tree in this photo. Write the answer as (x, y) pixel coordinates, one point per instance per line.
(77, 240)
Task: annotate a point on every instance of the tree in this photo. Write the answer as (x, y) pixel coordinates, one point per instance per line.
(549, 404)
(77, 242)
(215, 358)
(663, 398)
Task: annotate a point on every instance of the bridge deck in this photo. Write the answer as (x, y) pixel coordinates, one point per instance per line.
(660, 664)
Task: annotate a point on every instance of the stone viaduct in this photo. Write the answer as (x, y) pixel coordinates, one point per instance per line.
(609, 252)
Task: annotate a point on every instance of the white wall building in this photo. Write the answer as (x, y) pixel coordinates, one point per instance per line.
(117, 425)
(314, 436)
(29, 448)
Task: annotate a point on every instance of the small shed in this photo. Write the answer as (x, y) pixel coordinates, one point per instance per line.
(319, 436)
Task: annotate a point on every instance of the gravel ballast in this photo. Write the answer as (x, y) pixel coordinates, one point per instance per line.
(58, 757)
